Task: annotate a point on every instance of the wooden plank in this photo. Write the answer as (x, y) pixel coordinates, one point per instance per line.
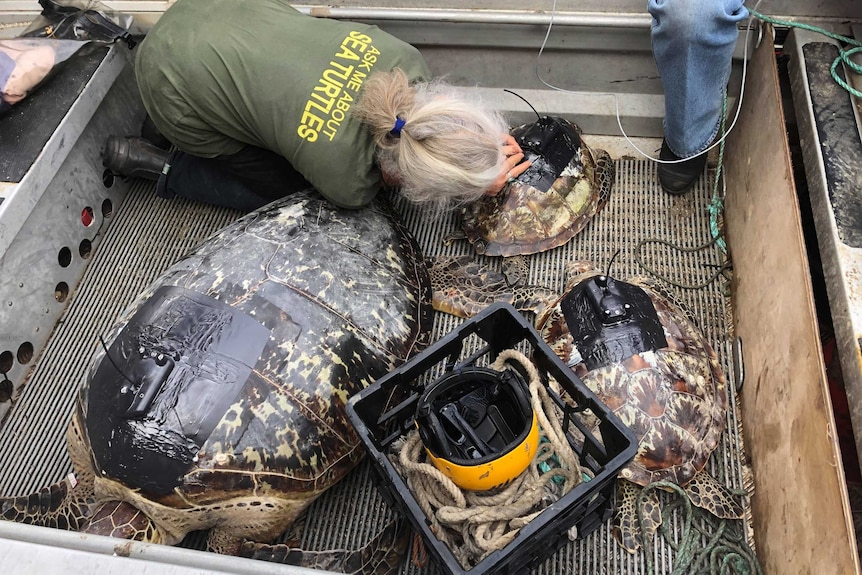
(802, 520)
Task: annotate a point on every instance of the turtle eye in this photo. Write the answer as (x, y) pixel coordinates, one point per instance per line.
(480, 246)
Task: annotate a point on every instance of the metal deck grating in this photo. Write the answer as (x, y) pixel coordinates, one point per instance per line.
(147, 235)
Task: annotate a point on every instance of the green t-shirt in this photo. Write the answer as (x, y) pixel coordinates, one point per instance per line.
(216, 75)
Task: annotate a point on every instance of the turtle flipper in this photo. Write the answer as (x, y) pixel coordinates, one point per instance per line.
(61, 506)
(66, 504)
(123, 521)
(707, 493)
(380, 556)
(452, 286)
(533, 298)
(626, 523)
(605, 173)
(648, 513)
(463, 287)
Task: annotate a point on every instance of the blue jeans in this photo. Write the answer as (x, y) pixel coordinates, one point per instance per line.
(692, 43)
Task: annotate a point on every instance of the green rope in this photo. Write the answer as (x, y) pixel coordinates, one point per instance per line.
(716, 204)
(720, 270)
(724, 552)
(716, 207)
(843, 55)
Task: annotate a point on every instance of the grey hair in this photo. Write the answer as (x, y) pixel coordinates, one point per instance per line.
(449, 150)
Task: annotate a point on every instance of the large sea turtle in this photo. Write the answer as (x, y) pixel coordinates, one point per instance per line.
(546, 206)
(218, 399)
(642, 355)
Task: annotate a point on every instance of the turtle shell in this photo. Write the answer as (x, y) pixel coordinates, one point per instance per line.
(547, 205)
(224, 384)
(673, 398)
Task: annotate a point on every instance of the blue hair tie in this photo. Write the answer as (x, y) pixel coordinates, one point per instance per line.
(399, 123)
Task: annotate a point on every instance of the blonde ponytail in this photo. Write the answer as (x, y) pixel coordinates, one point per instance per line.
(448, 149)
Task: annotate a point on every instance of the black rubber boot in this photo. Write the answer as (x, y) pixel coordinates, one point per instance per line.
(677, 179)
(134, 157)
(150, 132)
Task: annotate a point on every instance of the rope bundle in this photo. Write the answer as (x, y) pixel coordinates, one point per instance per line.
(472, 524)
(706, 545)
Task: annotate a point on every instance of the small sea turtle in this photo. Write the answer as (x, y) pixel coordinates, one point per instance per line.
(661, 378)
(670, 394)
(218, 399)
(463, 287)
(546, 206)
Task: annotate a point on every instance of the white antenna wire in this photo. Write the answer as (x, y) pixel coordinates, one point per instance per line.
(617, 101)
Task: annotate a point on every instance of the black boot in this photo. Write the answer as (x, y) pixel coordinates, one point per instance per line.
(151, 133)
(134, 157)
(677, 179)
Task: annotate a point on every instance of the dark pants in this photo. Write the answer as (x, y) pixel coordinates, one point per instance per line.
(245, 181)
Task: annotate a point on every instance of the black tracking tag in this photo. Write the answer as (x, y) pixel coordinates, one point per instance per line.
(164, 384)
(550, 144)
(611, 320)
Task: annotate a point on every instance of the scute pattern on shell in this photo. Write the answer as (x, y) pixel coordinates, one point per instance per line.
(673, 399)
(523, 220)
(345, 297)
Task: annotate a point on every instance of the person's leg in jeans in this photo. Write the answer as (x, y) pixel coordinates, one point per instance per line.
(692, 42)
(245, 181)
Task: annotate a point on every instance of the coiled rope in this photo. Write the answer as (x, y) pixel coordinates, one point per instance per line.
(472, 524)
(724, 552)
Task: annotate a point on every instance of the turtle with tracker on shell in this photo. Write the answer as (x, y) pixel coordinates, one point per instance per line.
(217, 401)
(566, 185)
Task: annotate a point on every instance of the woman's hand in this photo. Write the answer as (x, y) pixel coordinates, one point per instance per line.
(513, 166)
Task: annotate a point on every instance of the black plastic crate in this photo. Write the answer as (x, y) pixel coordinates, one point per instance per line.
(385, 411)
